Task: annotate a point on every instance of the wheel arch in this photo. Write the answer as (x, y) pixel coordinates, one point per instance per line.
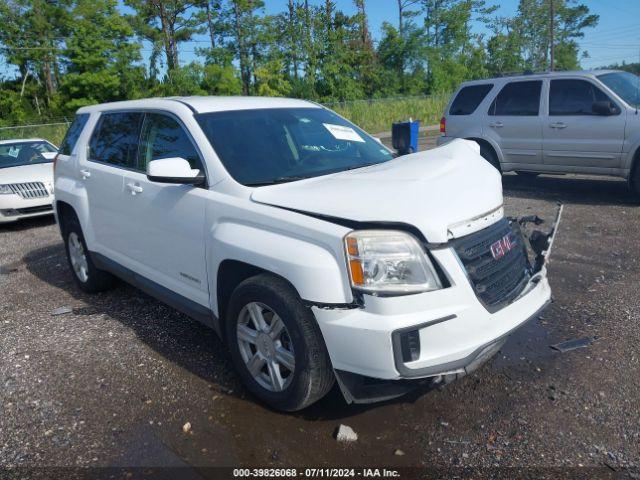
(231, 273)
(489, 144)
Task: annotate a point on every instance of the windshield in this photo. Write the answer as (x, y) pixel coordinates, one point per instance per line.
(266, 146)
(15, 154)
(626, 85)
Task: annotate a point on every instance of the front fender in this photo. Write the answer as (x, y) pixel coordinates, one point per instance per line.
(313, 268)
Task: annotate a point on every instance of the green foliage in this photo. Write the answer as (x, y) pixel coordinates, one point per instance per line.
(71, 53)
(378, 115)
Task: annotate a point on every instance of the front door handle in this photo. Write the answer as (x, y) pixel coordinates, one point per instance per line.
(559, 125)
(85, 174)
(496, 124)
(134, 189)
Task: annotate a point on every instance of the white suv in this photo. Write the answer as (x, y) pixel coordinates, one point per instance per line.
(560, 122)
(300, 239)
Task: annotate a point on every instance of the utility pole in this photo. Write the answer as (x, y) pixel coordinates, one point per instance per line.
(551, 34)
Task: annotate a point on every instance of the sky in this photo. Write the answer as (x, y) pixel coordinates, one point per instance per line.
(616, 38)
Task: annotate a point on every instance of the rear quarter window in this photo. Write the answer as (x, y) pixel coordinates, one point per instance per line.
(73, 133)
(469, 98)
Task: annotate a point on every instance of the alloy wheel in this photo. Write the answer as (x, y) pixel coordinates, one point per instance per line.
(265, 346)
(78, 257)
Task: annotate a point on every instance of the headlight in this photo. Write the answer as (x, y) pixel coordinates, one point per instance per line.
(5, 190)
(387, 261)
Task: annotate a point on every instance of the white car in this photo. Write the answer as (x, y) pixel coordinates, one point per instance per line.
(300, 239)
(26, 178)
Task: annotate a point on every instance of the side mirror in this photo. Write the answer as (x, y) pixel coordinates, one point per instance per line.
(173, 170)
(604, 107)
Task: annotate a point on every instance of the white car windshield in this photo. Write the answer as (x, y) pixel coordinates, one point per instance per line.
(276, 145)
(626, 85)
(16, 154)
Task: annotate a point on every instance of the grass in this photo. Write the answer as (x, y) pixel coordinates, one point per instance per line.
(374, 116)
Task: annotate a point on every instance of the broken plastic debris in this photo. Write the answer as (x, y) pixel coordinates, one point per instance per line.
(61, 311)
(573, 344)
(345, 433)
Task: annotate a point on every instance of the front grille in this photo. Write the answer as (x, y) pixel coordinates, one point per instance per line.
(496, 281)
(29, 190)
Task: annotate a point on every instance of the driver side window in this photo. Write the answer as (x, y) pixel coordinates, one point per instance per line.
(163, 137)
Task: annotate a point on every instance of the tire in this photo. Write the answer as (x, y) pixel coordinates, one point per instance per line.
(282, 385)
(634, 180)
(490, 156)
(527, 175)
(87, 276)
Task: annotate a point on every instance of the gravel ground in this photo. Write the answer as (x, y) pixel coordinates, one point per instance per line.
(113, 381)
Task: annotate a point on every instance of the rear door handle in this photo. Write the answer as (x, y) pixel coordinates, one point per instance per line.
(85, 174)
(496, 124)
(558, 125)
(134, 189)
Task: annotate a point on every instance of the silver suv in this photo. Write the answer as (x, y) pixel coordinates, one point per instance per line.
(561, 122)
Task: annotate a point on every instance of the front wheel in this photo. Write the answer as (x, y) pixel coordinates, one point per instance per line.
(276, 344)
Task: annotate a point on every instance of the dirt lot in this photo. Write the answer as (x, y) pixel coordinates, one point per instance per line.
(112, 382)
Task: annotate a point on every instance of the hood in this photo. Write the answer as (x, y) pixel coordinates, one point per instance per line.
(37, 172)
(446, 192)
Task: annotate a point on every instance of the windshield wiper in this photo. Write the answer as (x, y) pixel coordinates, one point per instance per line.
(276, 181)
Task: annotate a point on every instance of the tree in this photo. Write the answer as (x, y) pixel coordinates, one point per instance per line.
(167, 21)
(32, 32)
(523, 43)
(99, 58)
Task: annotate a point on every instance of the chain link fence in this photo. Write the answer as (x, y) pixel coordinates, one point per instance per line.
(53, 131)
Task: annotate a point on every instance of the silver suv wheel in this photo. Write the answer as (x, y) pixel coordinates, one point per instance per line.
(78, 258)
(265, 346)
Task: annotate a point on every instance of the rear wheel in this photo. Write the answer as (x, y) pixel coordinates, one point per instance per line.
(490, 156)
(635, 177)
(276, 344)
(89, 278)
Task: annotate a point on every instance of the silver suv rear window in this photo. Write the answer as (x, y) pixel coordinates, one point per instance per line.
(469, 98)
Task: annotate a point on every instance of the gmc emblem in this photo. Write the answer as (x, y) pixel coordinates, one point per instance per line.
(500, 248)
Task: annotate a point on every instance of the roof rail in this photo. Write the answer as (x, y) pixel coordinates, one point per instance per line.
(520, 74)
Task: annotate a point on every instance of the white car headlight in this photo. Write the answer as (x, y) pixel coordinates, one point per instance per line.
(389, 261)
(5, 190)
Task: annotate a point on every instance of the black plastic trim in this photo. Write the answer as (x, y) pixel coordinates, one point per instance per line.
(196, 181)
(184, 103)
(360, 389)
(434, 370)
(194, 310)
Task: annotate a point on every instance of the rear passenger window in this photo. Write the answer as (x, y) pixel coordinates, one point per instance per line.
(469, 98)
(115, 139)
(518, 99)
(574, 97)
(163, 137)
(74, 131)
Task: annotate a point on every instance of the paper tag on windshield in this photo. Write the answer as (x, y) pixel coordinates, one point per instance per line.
(14, 151)
(343, 133)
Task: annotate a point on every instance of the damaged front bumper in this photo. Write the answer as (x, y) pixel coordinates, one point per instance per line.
(392, 345)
